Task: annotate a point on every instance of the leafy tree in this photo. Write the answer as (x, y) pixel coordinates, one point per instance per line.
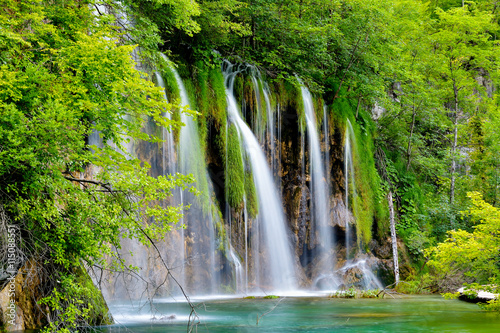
(66, 73)
(475, 255)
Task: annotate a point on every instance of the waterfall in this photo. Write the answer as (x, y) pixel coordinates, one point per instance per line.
(270, 128)
(265, 136)
(327, 149)
(168, 150)
(264, 260)
(360, 267)
(320, 208)
(278, 162)
(245, 212)
(350, 182)
(240, 283)
(175, 241)
(256, 125)
(277, 271)
(199, 219)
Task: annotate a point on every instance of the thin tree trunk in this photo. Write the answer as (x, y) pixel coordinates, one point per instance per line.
(359, 103)
(393, 238)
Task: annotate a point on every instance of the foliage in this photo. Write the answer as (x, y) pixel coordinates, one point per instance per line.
(476, 253)
(270, 297)
(491, 305)
(415, 284)
(66, 73)
(354, 293)
(441, 83)
(75, 302)
(427, 70)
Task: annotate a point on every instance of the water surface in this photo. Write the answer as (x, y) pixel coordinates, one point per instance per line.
(309, 314)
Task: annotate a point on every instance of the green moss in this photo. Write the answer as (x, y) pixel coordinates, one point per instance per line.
(217, 101)
(238, 88)
(235, 178)
(98, 309)
(248, 93)
(245, 91)
(251, 195)
(295, 100)
(195, 160)
(171, 88)
(370, 204)
(289, 93)
(173, 95)
(273, 100)
(200, 75)
(176, 116)
(319, 109)
(201, 118)
(211, 98)
(262, 114)
(270, 297)
(355, 293)
(219, 227)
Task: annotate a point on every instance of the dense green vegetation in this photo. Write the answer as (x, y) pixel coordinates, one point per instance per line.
(428, 68)
(64, 73)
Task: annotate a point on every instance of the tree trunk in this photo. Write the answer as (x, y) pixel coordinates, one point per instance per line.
(393, 238)
(357, 107)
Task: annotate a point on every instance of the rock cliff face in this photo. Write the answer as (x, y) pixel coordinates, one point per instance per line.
(19, 300)
(24, 291)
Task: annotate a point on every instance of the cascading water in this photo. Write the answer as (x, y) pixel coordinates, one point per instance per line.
(168, 150)
(266, 136)
(320, 208)
(327, 148)
(350, 183)
(277, 272)
(199, 220)
(240, 282)
(361, 268)
(356, 264)
(174, 243)
(256, 125)
(278, 163)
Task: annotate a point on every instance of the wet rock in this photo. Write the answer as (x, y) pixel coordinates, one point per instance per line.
(383, 251)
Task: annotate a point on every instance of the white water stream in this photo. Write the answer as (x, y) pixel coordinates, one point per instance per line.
(276, 272)
(320, 207)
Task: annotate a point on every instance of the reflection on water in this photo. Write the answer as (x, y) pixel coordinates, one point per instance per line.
(308, 314)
